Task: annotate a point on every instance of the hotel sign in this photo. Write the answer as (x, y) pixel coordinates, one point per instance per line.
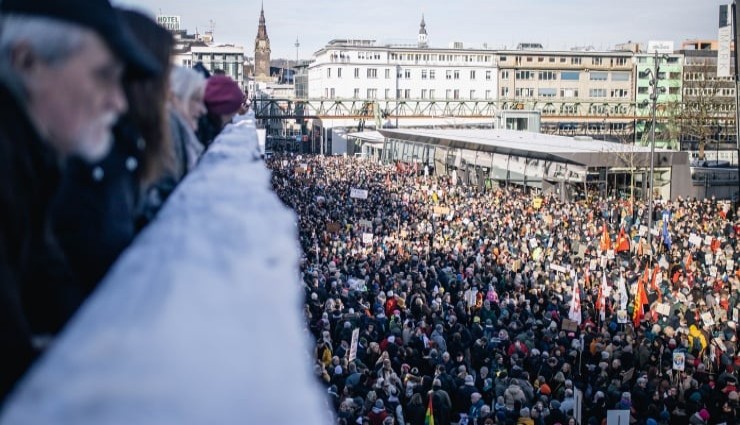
(172, 23)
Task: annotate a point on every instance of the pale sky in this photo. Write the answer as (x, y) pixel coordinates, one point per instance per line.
(557, 24)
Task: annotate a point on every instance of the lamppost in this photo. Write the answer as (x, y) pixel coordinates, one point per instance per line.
(655, 78)
(398, 94)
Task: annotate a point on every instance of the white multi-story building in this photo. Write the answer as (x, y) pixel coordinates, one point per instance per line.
(363, 69)
(228, 58)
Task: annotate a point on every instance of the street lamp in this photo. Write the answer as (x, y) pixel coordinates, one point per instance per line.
(654, 79)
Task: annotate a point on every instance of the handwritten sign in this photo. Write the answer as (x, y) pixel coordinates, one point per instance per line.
(663, 309)
(707, 319)
(367, 238)
(441, 210)
(353, 345)
(694, 240)
(622, 316)
(366, 224)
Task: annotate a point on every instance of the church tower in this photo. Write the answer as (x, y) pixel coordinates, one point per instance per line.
(423, 37)
(262, 51)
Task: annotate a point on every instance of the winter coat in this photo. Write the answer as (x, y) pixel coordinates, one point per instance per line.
(514, 394)
(35, 291)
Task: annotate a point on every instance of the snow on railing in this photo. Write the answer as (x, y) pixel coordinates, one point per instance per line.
(199, 321)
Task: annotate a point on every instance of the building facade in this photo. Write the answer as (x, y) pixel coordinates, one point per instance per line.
(227, 58)
(670, 82)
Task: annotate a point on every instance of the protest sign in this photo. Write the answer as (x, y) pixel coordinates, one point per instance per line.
(358, 193)
(679, 360)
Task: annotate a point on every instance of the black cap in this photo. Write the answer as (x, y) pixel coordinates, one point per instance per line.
(95, 15)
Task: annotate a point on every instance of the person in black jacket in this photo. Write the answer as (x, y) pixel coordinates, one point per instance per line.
(60, 93)
(95, 212)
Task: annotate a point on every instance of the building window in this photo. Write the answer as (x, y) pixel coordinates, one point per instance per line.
(529, 58)
(642, 90)
(457, 74)
(372, 73)
(398, 93)
(423, 93)
(502, 58)
(596, 61)
(575, 61)
(621, 75)
(407, 94)
(448, 94)
(488, 95)
(332, 94)
(472, 94)
(674, 75)
(672, 59)
(548, 75)
(387, 93)
(674, 90)
(448, 74)
(540, 59)
(432, 74)
(488, 75)
(547, 92)
(357, 72)
(339, 72)
(598, 76)
(597, 93)
(456, 94)
(620, 61)
(387, 74)
(552, 60)
(472, 74)
(570, 75)
(568, 92)
(504, 75)
(372, 93)
(423, 74)
(328, 72)
(524, 75)
(504, 91)
(562, 60)
(524, 92)
(407, 73)
(357, 94)
(619, 93)
(431, 93)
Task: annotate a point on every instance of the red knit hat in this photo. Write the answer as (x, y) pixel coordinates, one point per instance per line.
(223, 96)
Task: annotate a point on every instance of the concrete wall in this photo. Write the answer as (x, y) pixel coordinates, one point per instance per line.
(199, 322)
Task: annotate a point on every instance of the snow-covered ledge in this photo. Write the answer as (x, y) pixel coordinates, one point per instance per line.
(199, 322)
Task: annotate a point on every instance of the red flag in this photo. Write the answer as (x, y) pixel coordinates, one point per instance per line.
(606, 240)
(689, 260)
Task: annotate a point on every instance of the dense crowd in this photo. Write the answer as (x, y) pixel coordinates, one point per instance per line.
(489, 305)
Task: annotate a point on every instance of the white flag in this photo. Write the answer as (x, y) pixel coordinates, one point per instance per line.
(575, 304)
(622, 292)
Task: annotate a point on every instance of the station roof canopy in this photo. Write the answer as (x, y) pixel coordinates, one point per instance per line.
(583, 151)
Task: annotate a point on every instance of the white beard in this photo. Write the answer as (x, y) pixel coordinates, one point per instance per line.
(92, 146)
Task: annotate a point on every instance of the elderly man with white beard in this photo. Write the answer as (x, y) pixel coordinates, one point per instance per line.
(60, 93)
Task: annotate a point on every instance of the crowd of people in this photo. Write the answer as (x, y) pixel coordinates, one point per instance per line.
(98, 128)
(432, 301)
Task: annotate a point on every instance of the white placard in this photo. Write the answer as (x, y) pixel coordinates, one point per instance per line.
(366, 224)
(694, 240)
(557, 268)
(735, 314)
(643, 230)
(708, 240)
(617, 417)
(730, 265)
(533, 243)
(679, 360)
(353, 346)
(610, 254)
(663, 309)
(708, 258)
(707, 319)
(358, 193)
(367, 238)
(622, 316)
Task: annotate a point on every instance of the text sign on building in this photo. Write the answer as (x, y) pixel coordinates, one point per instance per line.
(724, 55)
(172, 23)
(660, 47)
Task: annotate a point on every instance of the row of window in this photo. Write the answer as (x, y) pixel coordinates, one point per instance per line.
(661, 75)
(520, 92)
(433, 57)
(426, 74)
(566, 75)
(424, 94)
(576, 60)
(671, 90)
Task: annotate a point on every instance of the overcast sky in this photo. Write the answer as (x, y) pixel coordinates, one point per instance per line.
(557, 24)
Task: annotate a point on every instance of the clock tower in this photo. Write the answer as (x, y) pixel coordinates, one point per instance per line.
(262, 51)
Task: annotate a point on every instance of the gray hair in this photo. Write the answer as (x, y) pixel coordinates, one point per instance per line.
(53, 40)
(185, 81)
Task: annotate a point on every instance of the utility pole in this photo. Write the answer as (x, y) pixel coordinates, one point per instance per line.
(654, 98)
(736, 37)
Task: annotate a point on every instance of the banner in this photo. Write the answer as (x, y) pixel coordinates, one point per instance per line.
(357, 193)
(366, 224)
(441, 210)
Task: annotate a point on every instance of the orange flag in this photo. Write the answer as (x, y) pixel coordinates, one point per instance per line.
(606, 240)
(689, 260)
(623, 244)
(640, 300)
